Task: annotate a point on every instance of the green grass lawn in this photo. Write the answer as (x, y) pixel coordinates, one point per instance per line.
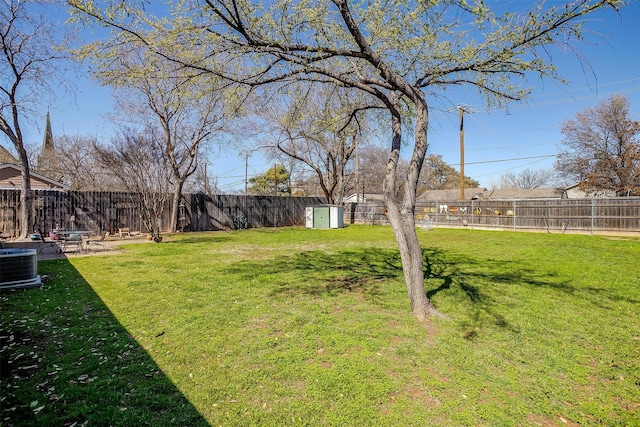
(312, 327)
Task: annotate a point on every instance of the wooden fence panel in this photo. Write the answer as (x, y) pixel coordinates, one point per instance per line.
(9, 212)
(108, 211)
(210, 213)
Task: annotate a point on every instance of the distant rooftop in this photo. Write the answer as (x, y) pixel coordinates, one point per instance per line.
(484, 194)
(452, 194)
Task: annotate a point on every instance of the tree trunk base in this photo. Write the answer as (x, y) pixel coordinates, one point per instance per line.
(426, 314)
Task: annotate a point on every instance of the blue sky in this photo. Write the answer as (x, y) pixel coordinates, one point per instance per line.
(497, 141)
(528, 131)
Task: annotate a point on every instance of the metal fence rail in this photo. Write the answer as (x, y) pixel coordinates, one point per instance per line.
(575, 215)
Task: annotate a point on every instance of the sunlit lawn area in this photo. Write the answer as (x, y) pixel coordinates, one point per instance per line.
(312, 327)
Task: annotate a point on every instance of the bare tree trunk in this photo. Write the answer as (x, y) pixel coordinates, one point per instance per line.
(175, 205)
(26, 197)
(401, 213)
(339, 192)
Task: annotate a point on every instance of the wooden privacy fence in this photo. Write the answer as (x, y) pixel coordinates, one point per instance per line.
(218, 212)
(575, 215)
(111, 210)
(108, 211)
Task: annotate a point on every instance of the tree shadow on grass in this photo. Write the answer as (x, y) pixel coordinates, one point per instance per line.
(443, 273)
(66, 360)
(318, 273)
(483, 286)
(479, 287)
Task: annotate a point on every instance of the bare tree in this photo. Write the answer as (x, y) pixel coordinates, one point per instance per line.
(188, 110)
(601, 149)
(30, 67)
(436, 174)
(372, 161)
(202, 180)
(319, 126)
(79, 164)
(135, 159)
(526, 179)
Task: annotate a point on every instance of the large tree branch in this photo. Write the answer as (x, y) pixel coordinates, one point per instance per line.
(532, 34)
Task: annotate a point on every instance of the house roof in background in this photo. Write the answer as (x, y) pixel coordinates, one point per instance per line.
(363, 197)
(531, 193)
(449, 195)
(34, 175)
(484, 194)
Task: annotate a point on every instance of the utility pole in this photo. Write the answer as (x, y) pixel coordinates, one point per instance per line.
(275, 194)
(357, 174)
(461, 110)
(275, 179)
(246, 169)
(246, 181)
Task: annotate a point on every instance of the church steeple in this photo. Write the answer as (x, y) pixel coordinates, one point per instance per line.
(47, 163)
(47, 142)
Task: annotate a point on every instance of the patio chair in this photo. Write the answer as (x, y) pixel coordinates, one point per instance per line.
(72, 241)
(45, 244)
(98, 242)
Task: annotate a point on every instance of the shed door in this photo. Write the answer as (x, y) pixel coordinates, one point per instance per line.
(321, 217)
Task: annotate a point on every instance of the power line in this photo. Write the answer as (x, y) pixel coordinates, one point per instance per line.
(253, 168)
(634, 79)
(508, 169)
(232, 170)
(231, 185)
(508, 147)
(566, 100)
(506, 160)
